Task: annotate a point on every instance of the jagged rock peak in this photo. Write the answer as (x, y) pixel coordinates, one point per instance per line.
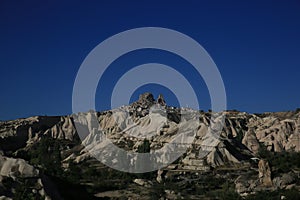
(161, 100)
(146, 98)
(142, 106)
(145, 101)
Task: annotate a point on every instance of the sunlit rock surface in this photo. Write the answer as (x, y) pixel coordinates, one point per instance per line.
(179, 142)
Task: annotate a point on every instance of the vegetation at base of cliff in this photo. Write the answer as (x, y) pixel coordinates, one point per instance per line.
(205, 186)
(46, 156)
(292, 194)
(23, 188)
(86, 179)
(281, 162)
(217, 188)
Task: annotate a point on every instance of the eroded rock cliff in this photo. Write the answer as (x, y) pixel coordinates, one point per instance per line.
(80, 137)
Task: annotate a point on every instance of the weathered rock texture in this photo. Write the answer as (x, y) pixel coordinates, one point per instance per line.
(264, 175)
(128, 127)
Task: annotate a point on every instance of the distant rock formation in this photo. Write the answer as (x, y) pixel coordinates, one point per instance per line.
(145, 100)
(242, 131)
(238, 145)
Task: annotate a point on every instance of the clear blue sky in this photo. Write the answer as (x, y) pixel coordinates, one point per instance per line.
(255, 44)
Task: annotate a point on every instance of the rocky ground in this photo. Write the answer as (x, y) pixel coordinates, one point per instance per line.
(255, 155)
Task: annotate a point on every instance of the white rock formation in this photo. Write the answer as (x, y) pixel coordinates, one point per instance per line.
(13, 168)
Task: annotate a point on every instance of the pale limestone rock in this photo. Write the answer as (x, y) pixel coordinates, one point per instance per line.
(64, 129)
(202, 130)
(251, 141)
(12, 167)
(159, 177)
(264, 173)
(143, 182)
(161, 100)
(5, 198)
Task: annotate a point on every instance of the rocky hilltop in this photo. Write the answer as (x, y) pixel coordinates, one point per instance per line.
(56, 157)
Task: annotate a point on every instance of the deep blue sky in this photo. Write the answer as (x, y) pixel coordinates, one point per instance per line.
(255, 44)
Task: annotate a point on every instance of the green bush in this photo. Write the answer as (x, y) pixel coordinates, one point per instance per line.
(283, 162)
(292, 194)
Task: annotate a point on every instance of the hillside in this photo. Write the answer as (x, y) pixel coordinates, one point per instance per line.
(58, 157)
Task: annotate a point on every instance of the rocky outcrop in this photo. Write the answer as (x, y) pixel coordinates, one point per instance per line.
(21, 173)
(143, 182)
(264, 173)
(161, 100)
(250, 141)
(244, 185)
(20, 133)
(14, 168)
(141, 107)
(236, 147)
(285, 181)
(277, 133)
(64, 129)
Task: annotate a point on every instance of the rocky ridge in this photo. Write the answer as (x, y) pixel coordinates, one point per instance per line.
(148, 125)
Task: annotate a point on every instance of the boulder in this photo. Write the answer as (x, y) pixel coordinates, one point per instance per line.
(11, 167)
(143, 182)
(264, 173)
(251, 141)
